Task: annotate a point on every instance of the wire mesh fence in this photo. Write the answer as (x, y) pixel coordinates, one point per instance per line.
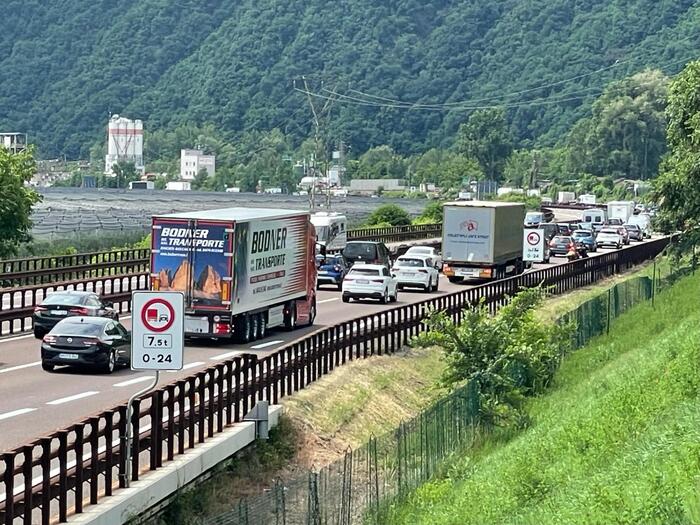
(362, 485)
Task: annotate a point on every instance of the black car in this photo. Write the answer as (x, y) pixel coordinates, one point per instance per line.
(96, 342)
(561, 245)
(331, 270)
(69, 303)
(368, 252)
(564, 229)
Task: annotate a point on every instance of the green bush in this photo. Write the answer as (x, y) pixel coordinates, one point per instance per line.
(388, 214)
(509, 356)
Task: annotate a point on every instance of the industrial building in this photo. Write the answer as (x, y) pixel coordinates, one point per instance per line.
(124, 143)
(15, 142)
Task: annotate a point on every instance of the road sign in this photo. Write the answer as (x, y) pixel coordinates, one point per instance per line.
(158, 332)
(533, 245)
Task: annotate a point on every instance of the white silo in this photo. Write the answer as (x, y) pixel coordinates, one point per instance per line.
(124, 142)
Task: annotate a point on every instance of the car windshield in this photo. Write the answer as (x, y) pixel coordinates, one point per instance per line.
(582, 233)
(334, 261)
(419, 250)
(63, 299)
(364, 271)
(631, 226)
(415, 263)
(366, 250)
(77, 328)
(561, 238)
(608, 232)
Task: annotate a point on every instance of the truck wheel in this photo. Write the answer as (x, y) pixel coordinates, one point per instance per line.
(254, 326)
(290, 320)
(262, 325)
(241, 330)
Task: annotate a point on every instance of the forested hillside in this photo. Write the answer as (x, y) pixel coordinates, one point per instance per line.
(67, 63)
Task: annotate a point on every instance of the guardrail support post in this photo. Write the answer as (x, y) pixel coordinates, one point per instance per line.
(129, 426)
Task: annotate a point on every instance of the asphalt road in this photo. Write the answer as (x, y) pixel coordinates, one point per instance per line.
(34, 403)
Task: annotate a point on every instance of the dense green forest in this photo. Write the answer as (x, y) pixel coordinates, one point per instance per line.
(401, 73)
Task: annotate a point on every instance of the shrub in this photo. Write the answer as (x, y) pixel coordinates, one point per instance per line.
(390, 214)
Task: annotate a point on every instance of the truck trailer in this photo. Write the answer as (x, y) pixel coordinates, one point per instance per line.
(241, 270)
(482, 239)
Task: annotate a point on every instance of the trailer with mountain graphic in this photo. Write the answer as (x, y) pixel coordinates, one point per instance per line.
(242, 270)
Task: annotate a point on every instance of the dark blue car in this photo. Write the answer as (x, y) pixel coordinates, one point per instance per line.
(331, 270)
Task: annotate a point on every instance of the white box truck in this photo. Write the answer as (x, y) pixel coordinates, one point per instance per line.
(482, 239)
(565, 197)
(242, 270)
(620, 210)
(587, 198)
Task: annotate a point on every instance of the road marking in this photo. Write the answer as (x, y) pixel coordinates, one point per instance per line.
(19, 367)
(265, 345)
(72, 398)
(8, 415)
(227, 354)
(134, 381)
(187, 367)
(328, 300)
(10, 339)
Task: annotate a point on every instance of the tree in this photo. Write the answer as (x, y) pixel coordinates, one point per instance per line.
(389, 215)
(200, 180)
(16, 199)
(677, 190)
(485, 137)
(432, 214)
(124, 172)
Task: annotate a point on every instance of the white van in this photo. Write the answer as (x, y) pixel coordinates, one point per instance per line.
(594, 218)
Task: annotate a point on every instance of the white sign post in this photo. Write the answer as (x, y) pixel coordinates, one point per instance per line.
(157, 343)
(533, 245)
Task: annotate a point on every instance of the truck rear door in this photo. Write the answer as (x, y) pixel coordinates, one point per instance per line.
(194, 257)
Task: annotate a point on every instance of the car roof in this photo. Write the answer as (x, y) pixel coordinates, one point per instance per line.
(86, 320)
(420, 248)
(413, 256)
(370, 266)
(78, 293)
(364, 242)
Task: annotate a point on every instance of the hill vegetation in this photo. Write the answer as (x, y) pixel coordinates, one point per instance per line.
(401, 73)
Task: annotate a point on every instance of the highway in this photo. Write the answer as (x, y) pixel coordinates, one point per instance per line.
(35, 403)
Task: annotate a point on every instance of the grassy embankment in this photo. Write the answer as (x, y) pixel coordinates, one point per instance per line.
(617, 439)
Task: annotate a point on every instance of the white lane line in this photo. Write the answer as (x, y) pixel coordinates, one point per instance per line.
(328, 300)
(72, 398)
(8, 415)
(134, 381)
(265, 345)
(227, 354)
(187, 367)
(17, 338)
(19, 367)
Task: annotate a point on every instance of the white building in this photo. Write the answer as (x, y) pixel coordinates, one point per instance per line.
(15, 142)
(124, 143)
(194, 160)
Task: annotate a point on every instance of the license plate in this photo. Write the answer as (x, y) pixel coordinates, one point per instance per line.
(68, 356)
(59, 312)
(362, 281)
(322, 272)
(196, 325)
(408, 274)
(468, 273)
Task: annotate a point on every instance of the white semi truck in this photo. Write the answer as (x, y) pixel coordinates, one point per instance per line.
(242, 270)
(482, 239)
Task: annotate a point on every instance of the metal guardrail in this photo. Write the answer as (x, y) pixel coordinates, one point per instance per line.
(85, 462)
(39, 270)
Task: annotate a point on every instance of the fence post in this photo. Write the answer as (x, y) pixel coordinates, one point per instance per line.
(313, 516)
(653, 284)
(609, 305)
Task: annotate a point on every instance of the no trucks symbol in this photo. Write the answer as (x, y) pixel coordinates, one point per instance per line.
(157, 315)
(533, 238)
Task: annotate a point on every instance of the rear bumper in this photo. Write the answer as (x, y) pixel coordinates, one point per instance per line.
(413, 282)
(364, 295)
(93, 358)
(329, 279)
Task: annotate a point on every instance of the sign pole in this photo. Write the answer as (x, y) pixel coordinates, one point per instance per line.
(129, 426)
(157, 344)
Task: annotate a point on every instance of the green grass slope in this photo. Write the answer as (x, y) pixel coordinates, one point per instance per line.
(617, 440)
(67, 63)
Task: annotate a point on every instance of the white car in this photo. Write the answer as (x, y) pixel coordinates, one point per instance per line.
(416, 271)
(372, 281)
(609, 237)
(427, 251)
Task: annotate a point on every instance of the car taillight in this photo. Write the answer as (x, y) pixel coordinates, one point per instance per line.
(423, 271)
(49, 339)
(377, 280)
(571, 246)
(40, 309)
(79, 311)
(552, 244)
(90, 341)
